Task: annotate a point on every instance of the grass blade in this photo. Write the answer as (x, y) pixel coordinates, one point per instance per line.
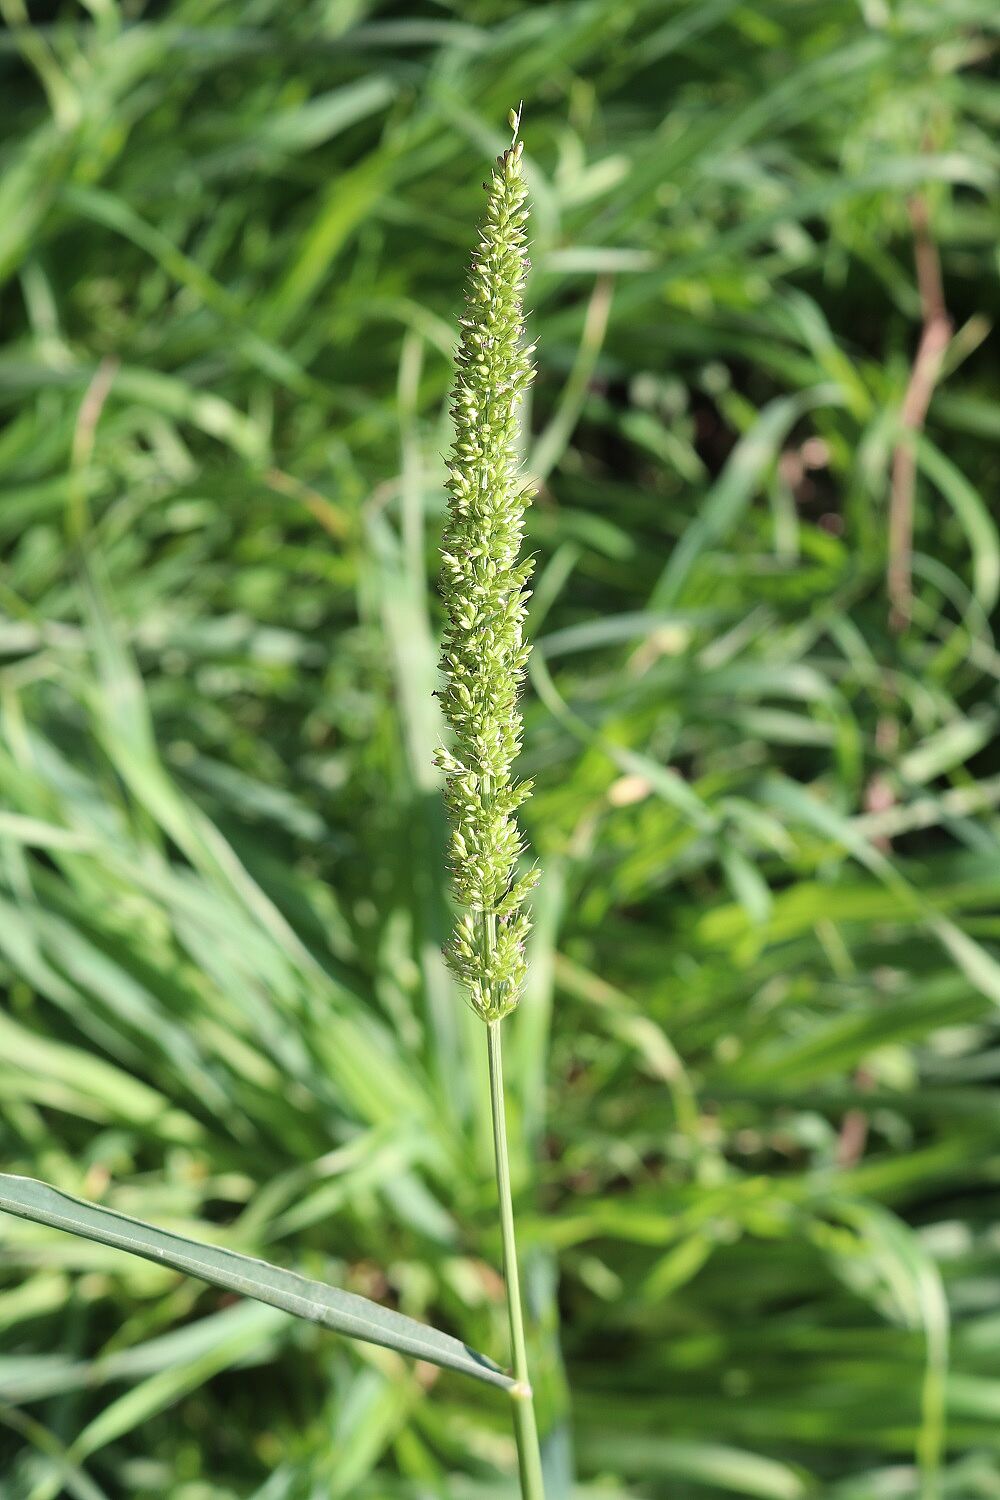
(343, 1312)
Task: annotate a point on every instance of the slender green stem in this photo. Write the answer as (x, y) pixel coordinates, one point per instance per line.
(525, 1428)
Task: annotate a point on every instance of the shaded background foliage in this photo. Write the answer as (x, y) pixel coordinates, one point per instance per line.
(753, 1081)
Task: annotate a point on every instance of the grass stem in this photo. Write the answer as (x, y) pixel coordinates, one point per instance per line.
(525, 1427)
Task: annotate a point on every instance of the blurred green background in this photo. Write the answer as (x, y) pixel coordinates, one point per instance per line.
(753, 1084)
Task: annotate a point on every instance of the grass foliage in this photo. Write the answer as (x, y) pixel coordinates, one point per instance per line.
(752, 1081)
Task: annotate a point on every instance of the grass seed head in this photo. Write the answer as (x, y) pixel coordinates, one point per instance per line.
(485, 591)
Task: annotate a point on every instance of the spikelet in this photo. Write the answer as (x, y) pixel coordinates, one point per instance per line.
(485, 589)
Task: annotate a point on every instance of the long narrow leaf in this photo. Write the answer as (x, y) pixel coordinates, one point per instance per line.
(344, 1312)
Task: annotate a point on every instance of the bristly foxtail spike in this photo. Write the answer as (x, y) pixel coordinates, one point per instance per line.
(484, 589)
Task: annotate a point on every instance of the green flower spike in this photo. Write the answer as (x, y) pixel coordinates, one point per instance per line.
(485, 590)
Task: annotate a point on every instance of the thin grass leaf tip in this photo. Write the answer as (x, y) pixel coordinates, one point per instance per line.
(485, 591)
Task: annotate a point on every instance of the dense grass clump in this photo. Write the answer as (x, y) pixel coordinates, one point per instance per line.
(751, 1080)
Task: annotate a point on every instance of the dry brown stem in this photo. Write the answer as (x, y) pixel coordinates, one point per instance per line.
(924, 375)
